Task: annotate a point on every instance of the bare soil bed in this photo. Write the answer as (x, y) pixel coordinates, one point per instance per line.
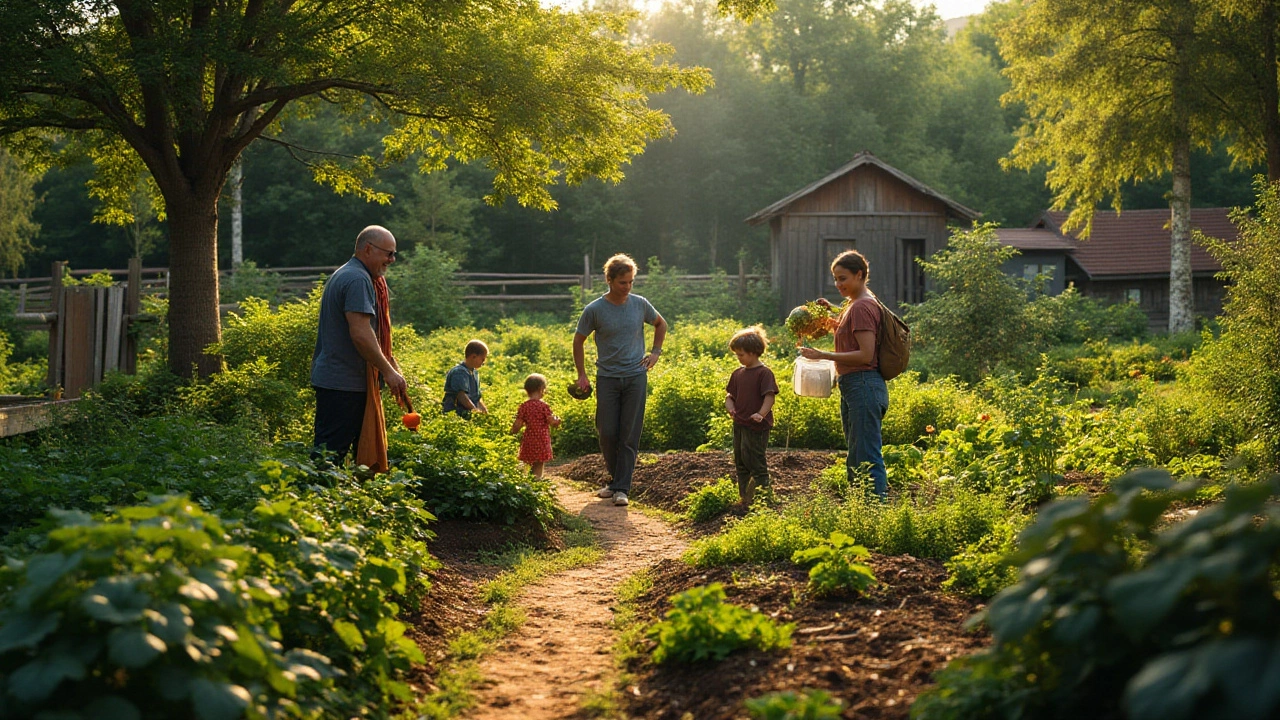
(875, 653)
(662, 481)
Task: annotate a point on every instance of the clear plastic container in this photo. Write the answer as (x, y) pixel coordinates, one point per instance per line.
(813, 378)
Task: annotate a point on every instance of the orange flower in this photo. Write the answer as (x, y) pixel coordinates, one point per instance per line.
(984, 417)
(928, 429)
(1136, 372)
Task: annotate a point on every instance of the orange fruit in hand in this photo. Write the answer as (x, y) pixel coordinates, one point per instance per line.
(411, 420)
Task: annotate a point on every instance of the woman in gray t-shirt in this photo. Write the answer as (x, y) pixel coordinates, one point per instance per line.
(617, 318)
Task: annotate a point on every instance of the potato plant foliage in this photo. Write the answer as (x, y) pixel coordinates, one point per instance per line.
(701, 626)
(1116, 614)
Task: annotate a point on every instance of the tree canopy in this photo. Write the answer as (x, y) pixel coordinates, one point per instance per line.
(179, 89)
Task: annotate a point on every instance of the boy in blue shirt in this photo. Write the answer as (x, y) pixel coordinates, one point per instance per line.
(462, 384)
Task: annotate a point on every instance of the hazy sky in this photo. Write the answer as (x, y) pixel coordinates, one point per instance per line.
(946, 8)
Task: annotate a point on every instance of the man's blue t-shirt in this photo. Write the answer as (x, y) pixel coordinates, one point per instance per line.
(619, 333)
(460, 378)
(336, 364)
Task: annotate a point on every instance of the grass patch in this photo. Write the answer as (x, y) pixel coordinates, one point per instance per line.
(629, 645)
(937, 527)
(460, 673)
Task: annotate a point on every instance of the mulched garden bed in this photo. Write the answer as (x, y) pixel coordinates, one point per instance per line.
(875, 653)
(662, 481)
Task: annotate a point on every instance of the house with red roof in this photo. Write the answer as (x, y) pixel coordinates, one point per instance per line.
(1125, 258)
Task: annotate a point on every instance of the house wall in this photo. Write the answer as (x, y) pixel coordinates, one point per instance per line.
(868, 210)
(1017, 267)
(1154, 296)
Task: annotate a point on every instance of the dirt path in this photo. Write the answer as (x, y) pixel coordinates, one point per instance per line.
(563, 651)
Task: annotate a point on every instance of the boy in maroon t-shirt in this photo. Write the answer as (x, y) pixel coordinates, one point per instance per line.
(751, 392)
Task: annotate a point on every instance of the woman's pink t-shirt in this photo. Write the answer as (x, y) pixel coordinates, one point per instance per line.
(863, 315)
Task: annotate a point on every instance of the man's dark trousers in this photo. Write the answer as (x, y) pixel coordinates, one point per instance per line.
(619, 421)
(339, 417)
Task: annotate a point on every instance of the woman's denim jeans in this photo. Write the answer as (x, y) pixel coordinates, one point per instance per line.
(863, 402)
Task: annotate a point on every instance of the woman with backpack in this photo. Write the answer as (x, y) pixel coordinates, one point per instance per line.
(864, 397)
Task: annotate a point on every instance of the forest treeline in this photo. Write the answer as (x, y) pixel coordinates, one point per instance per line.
(796, 95)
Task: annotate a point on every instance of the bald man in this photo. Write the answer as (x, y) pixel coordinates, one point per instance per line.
(347, 341)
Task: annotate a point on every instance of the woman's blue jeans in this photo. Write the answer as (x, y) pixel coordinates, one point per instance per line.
(864, 399)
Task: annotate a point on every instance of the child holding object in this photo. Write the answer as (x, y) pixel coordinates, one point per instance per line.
(749, 400)
(462, 382)
(536, 418)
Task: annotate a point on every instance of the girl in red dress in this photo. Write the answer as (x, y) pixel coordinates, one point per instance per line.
(537, 420)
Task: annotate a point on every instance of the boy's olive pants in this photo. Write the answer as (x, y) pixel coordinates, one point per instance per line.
(748, 456)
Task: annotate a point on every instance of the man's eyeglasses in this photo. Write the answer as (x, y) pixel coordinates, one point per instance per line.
(390, 253)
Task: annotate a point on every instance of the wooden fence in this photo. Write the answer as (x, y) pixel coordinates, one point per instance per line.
(35, 294)
(89, 325)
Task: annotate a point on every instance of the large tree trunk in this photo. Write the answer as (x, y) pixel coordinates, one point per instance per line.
(193, 285)
(1181, 297)
(1270, 91)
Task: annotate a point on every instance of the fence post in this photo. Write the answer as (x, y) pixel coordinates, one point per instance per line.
(742, 278)
(54, 378)
(132, 308)
(22, 298)
(586, 277)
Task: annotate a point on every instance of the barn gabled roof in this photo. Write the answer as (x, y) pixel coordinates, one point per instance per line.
(954, 208)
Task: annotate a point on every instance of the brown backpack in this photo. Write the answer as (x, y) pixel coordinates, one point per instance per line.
(893, 343)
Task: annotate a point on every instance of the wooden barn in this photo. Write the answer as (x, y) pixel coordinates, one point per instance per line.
(868, 206)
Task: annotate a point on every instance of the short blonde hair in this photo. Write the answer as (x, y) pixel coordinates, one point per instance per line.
(750, 340)
(619, 264)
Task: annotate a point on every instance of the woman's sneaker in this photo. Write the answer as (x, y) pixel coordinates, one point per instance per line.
(620, 498)
(605, 492)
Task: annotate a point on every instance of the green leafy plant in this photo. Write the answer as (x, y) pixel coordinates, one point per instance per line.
(702, 626)
(153, 613)
(710, 500)
(1114, 614)
(837, 566)
(465, 470)
(790, 705)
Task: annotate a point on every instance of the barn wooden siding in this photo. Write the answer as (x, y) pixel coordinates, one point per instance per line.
(868, 210)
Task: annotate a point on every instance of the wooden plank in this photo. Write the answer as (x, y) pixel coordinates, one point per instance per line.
(99, 334)
(77, 339)
(28, 417)
(115, 329)
(54, 378)
(132, 308)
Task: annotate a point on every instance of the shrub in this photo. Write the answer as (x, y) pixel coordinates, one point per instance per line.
(682, 399)
(422, 290)
(789, 705)
(710, 500)
(837, 567)
(718, 297)
(467, 471)
(702, 626)
(977, 321)
(150, 613)
(284, 337)
(1241, 364)
(250, 281)
(252, 391)
(1070, 317)
(915, 406)
(1095, 627)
